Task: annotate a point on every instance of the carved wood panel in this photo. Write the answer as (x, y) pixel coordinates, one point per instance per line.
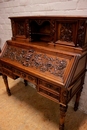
(41, 61)
(66, 32)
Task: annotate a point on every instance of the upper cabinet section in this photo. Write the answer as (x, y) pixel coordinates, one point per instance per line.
(68, 31)
(33, 29)
(72, 32)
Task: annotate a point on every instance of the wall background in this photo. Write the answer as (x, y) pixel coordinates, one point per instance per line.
(10, 8)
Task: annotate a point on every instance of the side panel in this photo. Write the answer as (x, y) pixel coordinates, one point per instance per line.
(81, 67)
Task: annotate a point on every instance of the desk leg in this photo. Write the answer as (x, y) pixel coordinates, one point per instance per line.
(63, 110)
(6, 84)
(25, 82)
(77, 100)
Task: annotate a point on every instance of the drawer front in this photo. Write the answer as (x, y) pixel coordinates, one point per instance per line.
(48, 94)
(8, 67)
(8, 73)
(26, 76)
(49, 90)
(9, 70)
(49, 86)
(32, 79)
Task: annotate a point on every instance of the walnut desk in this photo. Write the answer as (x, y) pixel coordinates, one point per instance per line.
(50, 52)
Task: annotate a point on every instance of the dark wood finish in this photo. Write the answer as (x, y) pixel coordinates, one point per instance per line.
(6, 84)
(77, 100)
(25, 82)
(63, 110)
(50, 52)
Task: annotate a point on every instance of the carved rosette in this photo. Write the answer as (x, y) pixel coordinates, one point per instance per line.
(81, 33)
(40, 61)
(66, 32)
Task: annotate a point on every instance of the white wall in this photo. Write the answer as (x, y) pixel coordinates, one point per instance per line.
(41, 7)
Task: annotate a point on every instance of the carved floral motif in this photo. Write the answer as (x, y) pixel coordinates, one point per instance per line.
(66, 32)
(20, 26)
(41, 61)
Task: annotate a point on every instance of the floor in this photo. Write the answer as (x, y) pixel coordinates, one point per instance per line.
(27, 110)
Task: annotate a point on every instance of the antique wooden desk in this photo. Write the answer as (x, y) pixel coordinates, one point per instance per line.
(49, 51)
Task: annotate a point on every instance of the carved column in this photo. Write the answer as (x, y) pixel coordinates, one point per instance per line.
(13, 29)
(6, 84)
(63, 110)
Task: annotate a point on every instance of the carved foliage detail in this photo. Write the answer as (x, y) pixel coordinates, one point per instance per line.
(81, 32)
(20, 26)
(41, 61)
(66, 31)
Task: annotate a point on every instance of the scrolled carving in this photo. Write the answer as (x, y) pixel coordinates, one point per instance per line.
(40, 61)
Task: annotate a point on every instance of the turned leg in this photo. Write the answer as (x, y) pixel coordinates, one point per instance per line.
(0, 74)
(25, 82)
(6, 84)
(63, 110)
(77, 100)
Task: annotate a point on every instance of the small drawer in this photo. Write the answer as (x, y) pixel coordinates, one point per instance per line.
(8, 73)
(49, 86)
(6, 66)
(26, 76)
(47, 94)
(16, 71)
